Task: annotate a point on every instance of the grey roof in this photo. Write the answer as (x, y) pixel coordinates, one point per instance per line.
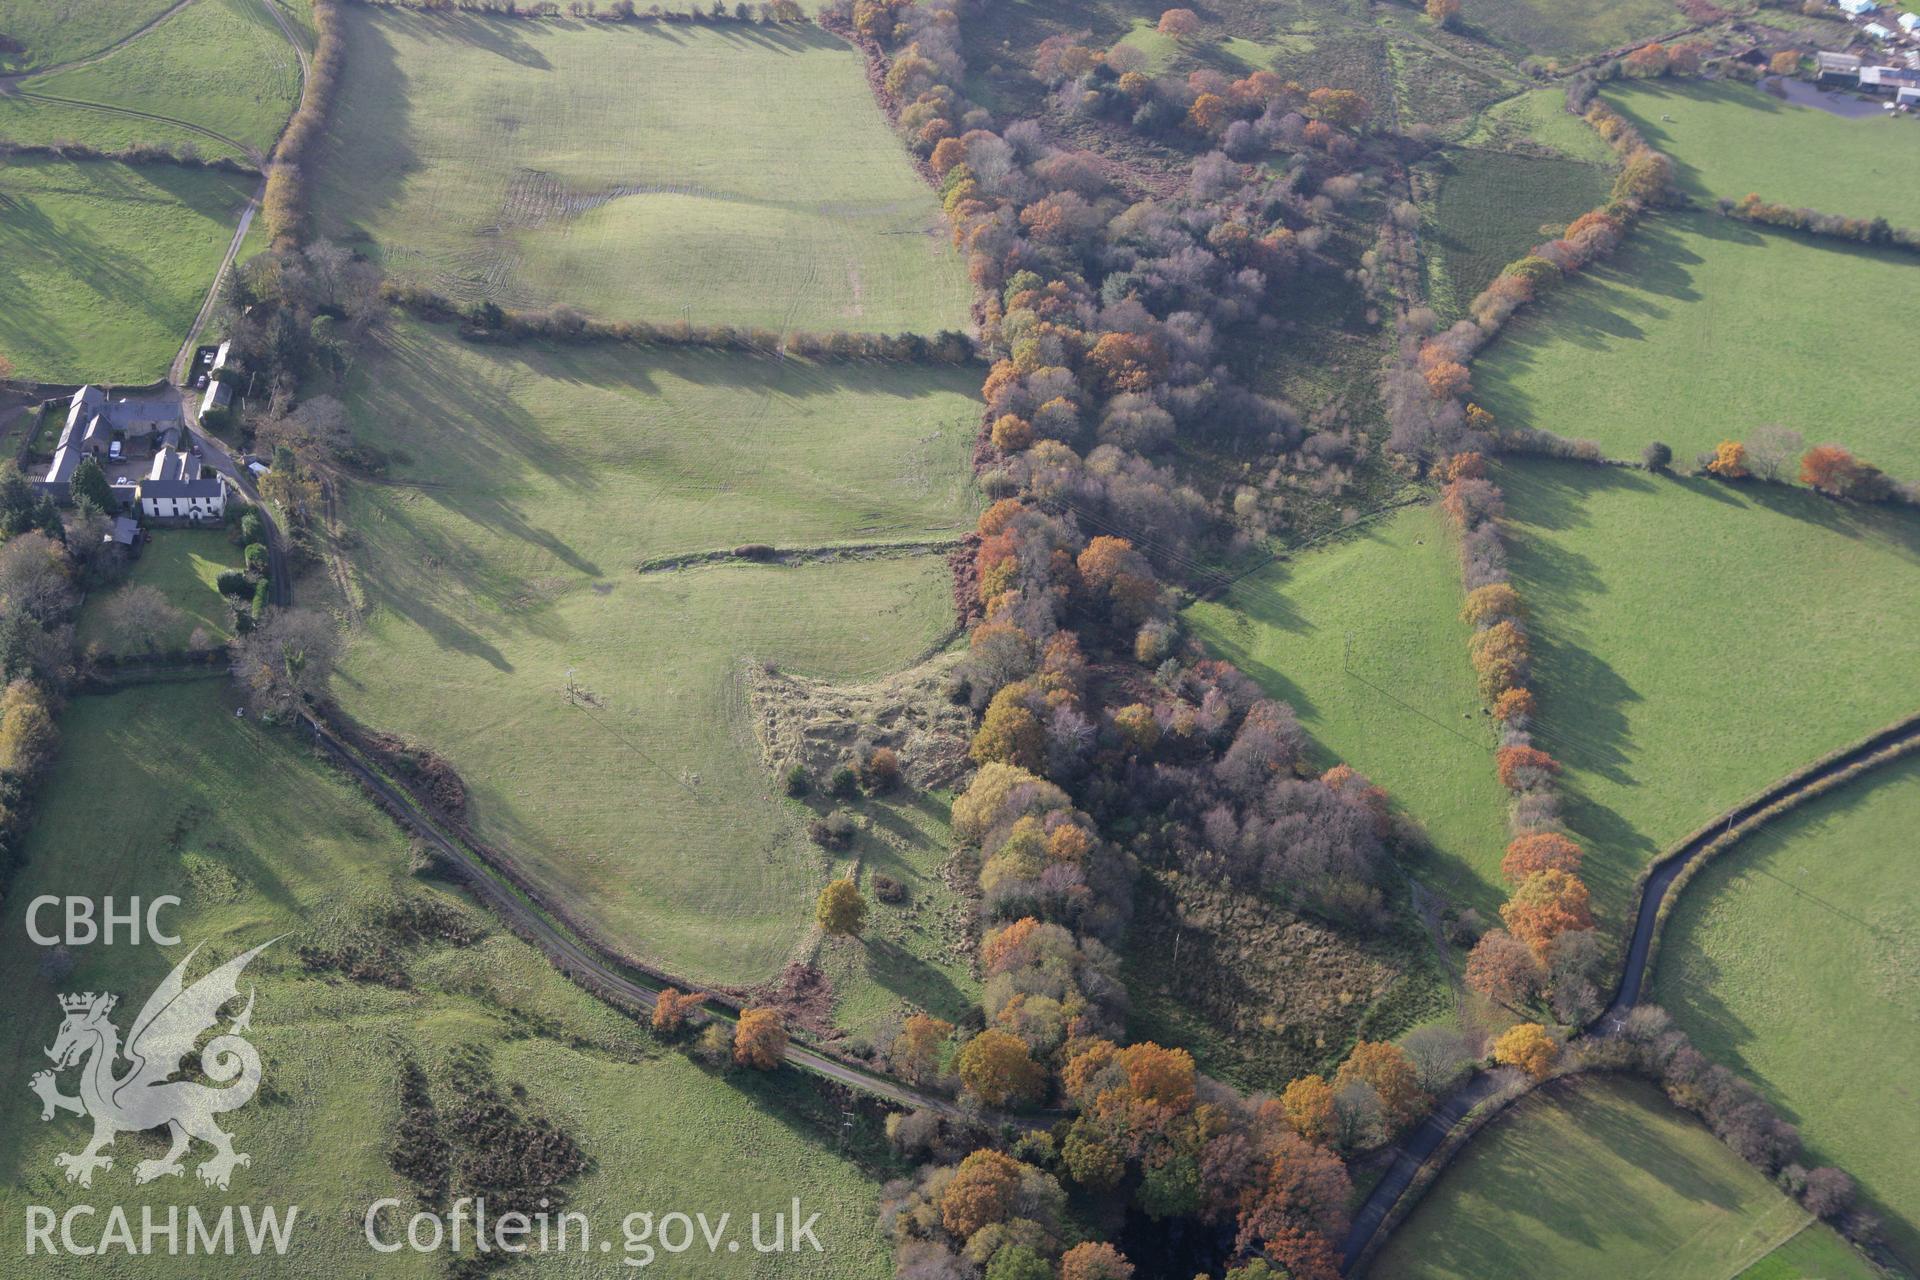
(177, 475)
(217, 397)
(125, 530)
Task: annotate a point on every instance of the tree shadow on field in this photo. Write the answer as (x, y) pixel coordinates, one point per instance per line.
(503, 37)
(912, 979)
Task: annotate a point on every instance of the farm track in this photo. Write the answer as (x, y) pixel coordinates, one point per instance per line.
(1411, 1153)
(574, 958)
(202, 130)
(7, 82)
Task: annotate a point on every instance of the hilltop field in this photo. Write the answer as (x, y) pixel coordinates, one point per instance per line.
(708, 172)
(263, 841)
(509, 547)
(1737, 971)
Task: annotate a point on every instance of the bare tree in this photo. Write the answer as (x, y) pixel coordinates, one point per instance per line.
(1438, 1054)
(287, 661)
(138, 617)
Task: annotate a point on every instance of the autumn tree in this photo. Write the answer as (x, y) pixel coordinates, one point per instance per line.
(1443, 13)
(1386, 1067)
(1828, 468)
(27, 732)
(1491, 603)
(1308, 1106)
(1513, 706)
(1178, 23)
(760, 1040)
(1447, 379)
(1009, 734)
(1341, 107)
(983, 1191)
(1208, 112)
(1304, 1188)
(1012, 433)
(1529, 1047)
(1095, 1260)
(841, 909)
(1729, 460)
(1544, 907)
(1504, 969)
(916, 1050)
(996, 1066)
(671, 1007)
(1785, 63)
(1523, 767)
(1539, 851)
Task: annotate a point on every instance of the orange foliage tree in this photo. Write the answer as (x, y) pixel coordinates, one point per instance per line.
(670, 1009)
(1539, 851)
(1443, 12)
(1009, 733)
(996, 1066)
(983, 1191)
(916, 1050)
(1544, 907)
(1729, 460)
(1514, 704)
(1529, 1047)
(1178, 23)
(1503, 968)
(1447, 379)
(1385, 1065)
(1095, 1260)
(1308, 1105)
(1520, 767)
(1494, 601)
(760, 1041)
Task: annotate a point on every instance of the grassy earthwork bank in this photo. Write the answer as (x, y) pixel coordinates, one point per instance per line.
(161, 790)
(1553, 30)
(183, 565)
(103, 265)
(1729, 140)
(503, 555)
(1695, 641)
(1538, 121)
(1364, 639)
(1801, 939)
(1603, 1178)
(1702, 329)
(60, 31)
(722, 173)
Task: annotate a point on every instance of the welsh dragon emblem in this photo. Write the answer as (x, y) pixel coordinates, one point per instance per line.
(146, 1096)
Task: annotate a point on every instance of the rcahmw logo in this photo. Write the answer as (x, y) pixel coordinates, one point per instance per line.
(143, 1096)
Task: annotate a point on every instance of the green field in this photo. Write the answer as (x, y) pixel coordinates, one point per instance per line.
(1702, 329)
(1562, 31)
(162, 790)
(183, 564)
(1492, 207)
(722, 174)
(527, 488)
(103, 266)
(56, 32)
(1695, 641)
(1731, 140)
(1736, 971)
(1603, 1178)
(1389, 690)
(221, 64)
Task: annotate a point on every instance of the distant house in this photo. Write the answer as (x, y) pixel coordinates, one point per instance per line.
(1877, 31)
(1858, 8)
(124, 531)
(1908, 21)
(177, 489)
(1837, 66)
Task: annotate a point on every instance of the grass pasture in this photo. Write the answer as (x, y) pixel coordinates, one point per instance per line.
(1491, 207)
(722, 173)
(56, 32)
(103, 266)
(1539, 119)
(1736, 970)
(1728, 139)
(1387, 690)
(1602, 1178)
(260, 840)
(183, 564)
(527, 489)
(221, 64)
(1694, 641)
(1547, 29)
(1684, 336)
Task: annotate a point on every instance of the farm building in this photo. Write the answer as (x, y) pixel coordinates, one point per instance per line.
(219, 396)
(1836, 66)
(1908, 21)
(178, 487)
(1858, 8)
(1888, 79)
(109, 431)
(1877, 31)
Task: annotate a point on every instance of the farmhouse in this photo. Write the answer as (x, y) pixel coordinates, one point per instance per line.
(109, 431)
(180, 487)
(1858, 8)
